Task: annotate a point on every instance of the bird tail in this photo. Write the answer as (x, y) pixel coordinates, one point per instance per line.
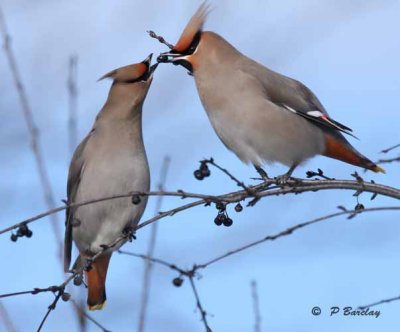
(338, 148)
(96, 282)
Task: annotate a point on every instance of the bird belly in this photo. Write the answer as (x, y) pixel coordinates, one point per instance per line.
(259, 136)
(102, 223)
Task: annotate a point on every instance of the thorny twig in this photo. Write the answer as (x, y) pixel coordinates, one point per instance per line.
(196, 267)
(264, 189)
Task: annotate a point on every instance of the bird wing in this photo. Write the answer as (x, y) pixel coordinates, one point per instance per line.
(295, 97)
(74, 178)
(321, 118)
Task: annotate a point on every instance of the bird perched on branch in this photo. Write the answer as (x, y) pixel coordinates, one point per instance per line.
(111, 160)
(260, 115)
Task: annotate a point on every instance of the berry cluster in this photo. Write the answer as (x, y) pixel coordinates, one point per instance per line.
(202, 172)
(22, 231)
(222, 217)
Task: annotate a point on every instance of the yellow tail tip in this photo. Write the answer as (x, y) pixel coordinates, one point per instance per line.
(378, 169)
(97, 306)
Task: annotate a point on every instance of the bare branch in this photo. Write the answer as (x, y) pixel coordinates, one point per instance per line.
(32, 129)
(150, 251)
(391, 148)
(392, 299)
(256, 307)
(190, 274)
(72, 98)
(87, 316)
(203, 313)
(294, 186)
(290, 230)
(387, 161)
(161, 39)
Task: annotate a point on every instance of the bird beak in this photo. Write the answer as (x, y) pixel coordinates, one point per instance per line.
(148, 59)
(168, 57)
(152, 69)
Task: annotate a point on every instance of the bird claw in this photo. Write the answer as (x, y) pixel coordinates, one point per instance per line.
(283, 179)
(262, 173)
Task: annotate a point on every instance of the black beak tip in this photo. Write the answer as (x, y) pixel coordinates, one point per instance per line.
(162, 58)
(153, 67)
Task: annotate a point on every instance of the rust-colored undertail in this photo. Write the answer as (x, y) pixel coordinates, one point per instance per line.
(339, 149)
(96, 282)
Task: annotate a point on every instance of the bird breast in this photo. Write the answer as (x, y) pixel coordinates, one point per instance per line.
(250, 125)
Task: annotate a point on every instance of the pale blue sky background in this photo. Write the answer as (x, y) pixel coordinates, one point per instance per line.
(347, 52)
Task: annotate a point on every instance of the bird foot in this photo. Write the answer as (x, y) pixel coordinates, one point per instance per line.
(262, 173)
(283, 179)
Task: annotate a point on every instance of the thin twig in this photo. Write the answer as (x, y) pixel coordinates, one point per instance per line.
(154, 260)
(150, 252)
(295, 186)
(387, 161)
(256, 307)
(88, 317)
(292, 229)
(5, 317)
(79, 305)
(192, 272)
(391, 148)
(241, 184)
(392, 299)
(161, 39)
(32, 129)
(203, 313)
(73, 104)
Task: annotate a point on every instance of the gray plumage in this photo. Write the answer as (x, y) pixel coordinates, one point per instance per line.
(260, 115)
(111, 160)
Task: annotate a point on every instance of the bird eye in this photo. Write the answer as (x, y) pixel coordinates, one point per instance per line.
(194, 44)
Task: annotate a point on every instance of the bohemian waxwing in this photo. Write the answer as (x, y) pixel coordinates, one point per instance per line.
(111, 160)
(261, 115)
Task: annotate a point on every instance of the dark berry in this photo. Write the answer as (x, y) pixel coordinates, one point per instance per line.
(177, 282)
(65, 297)
(198, 174)
(14, 237)
(135, 200)
(28, 233)
(24, 229)
(78, 280)
(220, 206)
(238, 207)
(218, 220)
(359, 207)
(228, 222)
(205, 172)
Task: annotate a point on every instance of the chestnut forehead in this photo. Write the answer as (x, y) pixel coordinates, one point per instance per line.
(141, 69)
(184, 42)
